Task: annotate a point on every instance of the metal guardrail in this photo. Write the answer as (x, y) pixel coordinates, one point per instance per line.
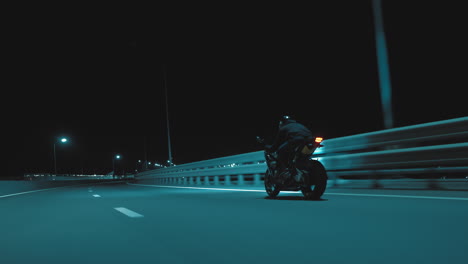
(429, 148)
(402, 137)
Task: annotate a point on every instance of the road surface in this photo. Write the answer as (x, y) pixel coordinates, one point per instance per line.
(130, 223)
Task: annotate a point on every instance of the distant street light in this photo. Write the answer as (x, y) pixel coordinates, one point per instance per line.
(62, 140)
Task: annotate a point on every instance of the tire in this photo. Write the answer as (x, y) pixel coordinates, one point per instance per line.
(270, 187)
(315, 190)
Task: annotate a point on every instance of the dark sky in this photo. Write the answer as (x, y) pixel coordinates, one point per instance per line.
(96, 76)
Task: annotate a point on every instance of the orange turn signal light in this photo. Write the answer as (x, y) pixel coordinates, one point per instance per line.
(318, 139)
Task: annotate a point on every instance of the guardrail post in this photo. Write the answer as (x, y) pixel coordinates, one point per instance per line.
(433, 184)
(240, 180)
(216, 180)
(257, 181)
(432, 181)
(227, 180)
(198, 180)
(207, 180)
(335, 181)
(190, 180)
(375, 183)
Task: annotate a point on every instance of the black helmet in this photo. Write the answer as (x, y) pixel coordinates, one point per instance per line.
(284, 119)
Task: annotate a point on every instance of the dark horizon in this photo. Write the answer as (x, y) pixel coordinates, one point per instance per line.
(99, 82)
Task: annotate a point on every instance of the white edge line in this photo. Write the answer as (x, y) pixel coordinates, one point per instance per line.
(401, 196)
(326, 193)
(199, 188)
(13, 194)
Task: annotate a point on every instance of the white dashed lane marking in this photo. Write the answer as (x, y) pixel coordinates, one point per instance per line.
(128, 212)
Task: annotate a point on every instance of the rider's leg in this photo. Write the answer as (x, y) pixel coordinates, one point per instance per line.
(283, 156)
(293, 144)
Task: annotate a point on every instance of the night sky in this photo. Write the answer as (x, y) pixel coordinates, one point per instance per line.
(96, 77)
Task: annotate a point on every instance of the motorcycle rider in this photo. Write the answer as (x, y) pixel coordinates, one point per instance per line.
(291, 135)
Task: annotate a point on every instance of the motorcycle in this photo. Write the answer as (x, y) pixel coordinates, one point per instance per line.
(302, 173)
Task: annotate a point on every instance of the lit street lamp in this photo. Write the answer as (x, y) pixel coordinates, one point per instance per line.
(62, 140)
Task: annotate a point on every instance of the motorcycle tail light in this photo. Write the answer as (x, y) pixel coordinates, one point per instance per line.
(318, 139)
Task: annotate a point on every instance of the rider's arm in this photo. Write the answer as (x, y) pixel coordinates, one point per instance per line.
(279, 139)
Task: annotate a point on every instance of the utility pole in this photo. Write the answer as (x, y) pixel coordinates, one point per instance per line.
(382, 62)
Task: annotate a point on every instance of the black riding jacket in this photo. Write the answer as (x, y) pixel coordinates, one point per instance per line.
(289, 130)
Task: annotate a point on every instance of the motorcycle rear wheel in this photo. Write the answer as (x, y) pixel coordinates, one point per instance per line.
(270, 187)
(315, 191)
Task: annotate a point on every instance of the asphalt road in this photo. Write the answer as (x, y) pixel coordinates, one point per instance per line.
(124, 223)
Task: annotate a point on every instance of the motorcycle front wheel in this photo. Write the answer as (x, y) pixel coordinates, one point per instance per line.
(270, 187)
(315, 190)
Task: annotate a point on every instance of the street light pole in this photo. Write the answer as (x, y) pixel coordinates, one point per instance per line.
(55, 162)
(63, 140)
(113, 163)
(382, 62)
(167, 118)
(145, 167)
(137, 166)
